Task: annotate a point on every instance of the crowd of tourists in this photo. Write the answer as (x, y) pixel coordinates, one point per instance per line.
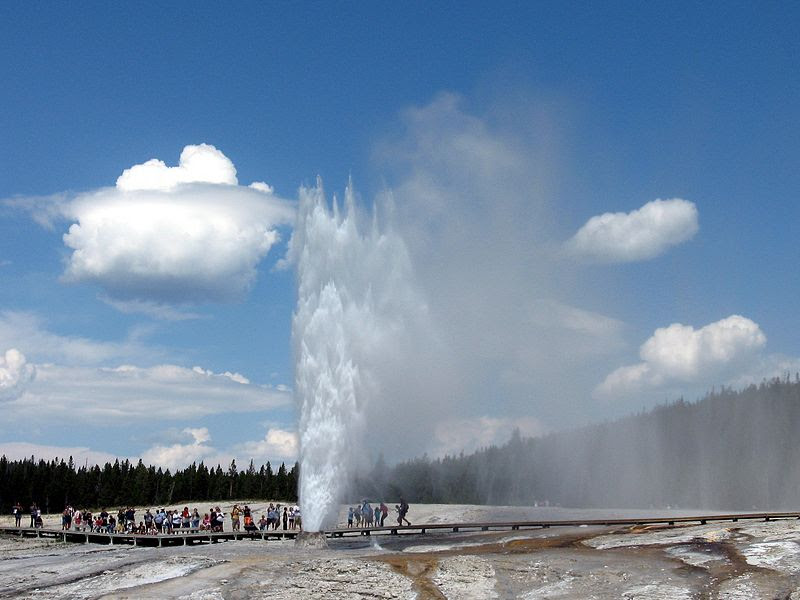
(275, 516)
(366, 515)
(161, 521)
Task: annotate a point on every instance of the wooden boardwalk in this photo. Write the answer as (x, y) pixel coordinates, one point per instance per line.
(135, 539)
(183, 539)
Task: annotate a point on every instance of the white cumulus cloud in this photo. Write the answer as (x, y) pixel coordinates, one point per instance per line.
(168, 235)
(279, 445)
(15, 374)
(200, 435)
(682, 354)
(276, 444)
(198, 164)
(641, 234)
(176, 456)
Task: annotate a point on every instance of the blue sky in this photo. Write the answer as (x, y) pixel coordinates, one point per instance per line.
(570, 110)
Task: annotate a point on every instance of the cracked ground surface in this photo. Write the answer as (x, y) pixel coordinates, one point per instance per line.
(720, 560)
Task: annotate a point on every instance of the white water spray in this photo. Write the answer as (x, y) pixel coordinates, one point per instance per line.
(354, 302)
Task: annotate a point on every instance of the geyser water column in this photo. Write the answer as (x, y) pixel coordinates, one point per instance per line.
(353, 282)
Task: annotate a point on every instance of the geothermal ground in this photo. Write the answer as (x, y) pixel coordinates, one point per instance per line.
(730, 560)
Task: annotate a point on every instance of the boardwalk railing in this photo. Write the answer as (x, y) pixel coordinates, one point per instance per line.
(93, 537)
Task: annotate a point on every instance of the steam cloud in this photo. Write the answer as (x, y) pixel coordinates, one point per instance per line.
(474, 202)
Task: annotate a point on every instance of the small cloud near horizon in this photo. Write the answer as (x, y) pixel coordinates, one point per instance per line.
(15, 374)
(680, 355)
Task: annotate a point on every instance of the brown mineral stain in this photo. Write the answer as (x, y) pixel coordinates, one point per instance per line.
(420, 569)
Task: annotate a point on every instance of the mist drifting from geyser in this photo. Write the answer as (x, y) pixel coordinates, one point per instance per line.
(432, 313)
(355, 300)
(449, 314)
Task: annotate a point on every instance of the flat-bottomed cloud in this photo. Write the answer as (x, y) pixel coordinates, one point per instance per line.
(641, 234)
(183, 234)
(682, 354)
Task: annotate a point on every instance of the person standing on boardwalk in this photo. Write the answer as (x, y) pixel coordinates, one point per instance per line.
(17, 514)
(177, 519)
(158, 520)
(402, 512)
(235, 517)
(384, 512)
(33, 510)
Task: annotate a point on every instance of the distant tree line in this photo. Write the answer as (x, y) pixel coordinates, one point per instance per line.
(733, 449)
(55, 483)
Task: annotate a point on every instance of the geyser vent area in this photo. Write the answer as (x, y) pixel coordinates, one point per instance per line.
(311, 540)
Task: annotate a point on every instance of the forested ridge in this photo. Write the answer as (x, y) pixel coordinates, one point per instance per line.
(55, 483)
(732, 449)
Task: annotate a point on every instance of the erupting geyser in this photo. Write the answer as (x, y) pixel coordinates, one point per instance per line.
(352, 281)
(326, 377)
